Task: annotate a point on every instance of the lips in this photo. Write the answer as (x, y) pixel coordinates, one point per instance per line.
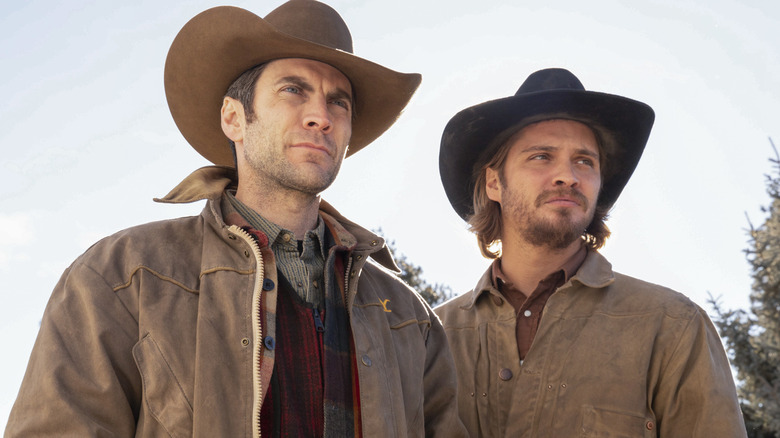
(313, 146)
(562, 197)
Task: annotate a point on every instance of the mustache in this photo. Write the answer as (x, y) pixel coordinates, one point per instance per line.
(563, 192)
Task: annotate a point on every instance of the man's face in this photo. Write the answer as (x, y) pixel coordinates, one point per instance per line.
(302, 125)
(549, 185)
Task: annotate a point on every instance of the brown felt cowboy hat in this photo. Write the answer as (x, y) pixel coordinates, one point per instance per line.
(473, 135)
(219, 44)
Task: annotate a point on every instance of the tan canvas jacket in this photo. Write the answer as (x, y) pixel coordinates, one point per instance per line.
(155, 331)
(614, 356)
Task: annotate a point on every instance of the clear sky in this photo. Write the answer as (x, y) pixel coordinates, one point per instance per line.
(88, 140)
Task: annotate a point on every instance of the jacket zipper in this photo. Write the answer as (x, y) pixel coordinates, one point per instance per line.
(346, 288)
(318, 320)
(257, 329)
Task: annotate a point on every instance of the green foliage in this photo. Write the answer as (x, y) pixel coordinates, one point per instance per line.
(412, 274)
(753, 338)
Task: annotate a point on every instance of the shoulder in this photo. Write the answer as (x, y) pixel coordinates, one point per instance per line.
(631, 294)
(153, 245)
(457, 304)
(142, 238)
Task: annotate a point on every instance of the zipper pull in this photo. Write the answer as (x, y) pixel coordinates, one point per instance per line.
(318, 320)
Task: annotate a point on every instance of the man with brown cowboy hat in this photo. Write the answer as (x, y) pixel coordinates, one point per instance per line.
(262, 316)
(551, 342)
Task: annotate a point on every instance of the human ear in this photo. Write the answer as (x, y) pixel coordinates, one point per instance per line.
(232, 119)
(492, 185)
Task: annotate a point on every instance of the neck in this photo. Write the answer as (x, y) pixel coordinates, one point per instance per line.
(291, 210)
(525, 265)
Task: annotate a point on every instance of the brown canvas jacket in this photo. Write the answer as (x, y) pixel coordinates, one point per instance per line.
(614, 356)
(156, 331)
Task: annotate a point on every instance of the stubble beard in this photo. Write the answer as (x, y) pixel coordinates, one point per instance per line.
(557, 233)
(268, 161)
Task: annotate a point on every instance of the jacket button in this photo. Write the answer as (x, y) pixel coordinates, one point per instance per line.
(268, 284)
(650, 425)
(232, 236)
(366, 360)
(505, 374)
(245, 342)
(269, 342)
(246, 253)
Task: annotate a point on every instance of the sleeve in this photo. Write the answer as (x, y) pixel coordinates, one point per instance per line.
(696, 395)
(81, 379)
(440, 381)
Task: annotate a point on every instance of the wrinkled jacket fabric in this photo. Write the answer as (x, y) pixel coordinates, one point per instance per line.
(614, 356)
(155, 331)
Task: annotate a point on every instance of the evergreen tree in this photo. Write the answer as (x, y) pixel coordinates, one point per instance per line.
(412, 274)
(753, 338)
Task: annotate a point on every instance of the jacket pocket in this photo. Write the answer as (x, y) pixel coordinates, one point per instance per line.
(163, 396)
(605, 423)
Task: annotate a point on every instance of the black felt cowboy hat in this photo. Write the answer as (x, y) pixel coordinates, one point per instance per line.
(219, 44)
(472, 136)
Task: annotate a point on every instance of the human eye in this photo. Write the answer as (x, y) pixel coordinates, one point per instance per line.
(344, 103)
(291, 89)
(586, 161)
(539, 157)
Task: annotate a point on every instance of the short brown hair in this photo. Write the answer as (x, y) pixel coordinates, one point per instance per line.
(243, 90)
(486, 221)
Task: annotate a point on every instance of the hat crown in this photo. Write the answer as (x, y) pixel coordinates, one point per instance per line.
(550, 79)
(312, 21)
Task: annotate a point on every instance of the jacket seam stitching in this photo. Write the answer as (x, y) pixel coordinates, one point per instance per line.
(426, 322)
(156, 274)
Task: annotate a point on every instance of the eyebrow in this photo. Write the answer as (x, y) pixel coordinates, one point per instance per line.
(299, 81)
(543, 148)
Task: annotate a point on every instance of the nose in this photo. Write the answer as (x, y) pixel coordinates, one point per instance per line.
(317, 116)
(566, 175)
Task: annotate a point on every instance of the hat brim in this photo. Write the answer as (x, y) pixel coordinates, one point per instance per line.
(221, 43)
(622, 124)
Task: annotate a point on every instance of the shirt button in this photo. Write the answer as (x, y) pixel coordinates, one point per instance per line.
(286, 237)
(268, 284)
(366, 360)
(505, 374)
(269, 342)
(498, 301)
(527, 313)
(315, 284)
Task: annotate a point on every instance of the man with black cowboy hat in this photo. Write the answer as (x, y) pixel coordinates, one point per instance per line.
(551, 342)
(262, 316)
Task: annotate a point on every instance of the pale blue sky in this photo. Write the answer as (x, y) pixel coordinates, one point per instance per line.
(89, 140)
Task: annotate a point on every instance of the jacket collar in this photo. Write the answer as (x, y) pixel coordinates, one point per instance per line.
(595, 272)
(210, 183)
